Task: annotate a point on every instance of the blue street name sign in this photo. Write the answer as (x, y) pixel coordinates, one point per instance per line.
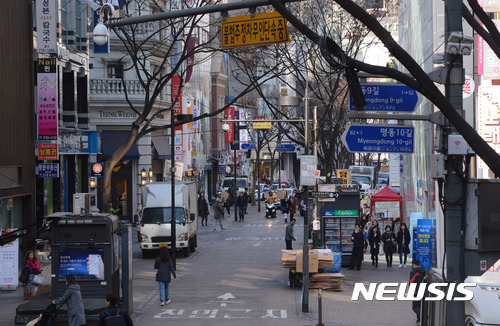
(247, 146)
(379, 138)
(283, 148)
(222, 169)
(388, 97)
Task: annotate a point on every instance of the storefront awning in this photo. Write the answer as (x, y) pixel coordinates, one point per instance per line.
(112, 139)
(162, 146)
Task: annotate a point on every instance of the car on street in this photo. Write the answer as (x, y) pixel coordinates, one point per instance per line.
(264, 191)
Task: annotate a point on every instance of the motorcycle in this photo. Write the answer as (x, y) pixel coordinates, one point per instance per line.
(270, 209)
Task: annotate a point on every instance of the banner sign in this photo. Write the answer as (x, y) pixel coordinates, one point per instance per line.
(9, 254)
(423, 244)
(176, 92)
(307, 170)
(47, 152)
(46, 26)
(73, 141)
(230, 116)
(48, 170)
(47, 99)
(195, 111)
(96, 169)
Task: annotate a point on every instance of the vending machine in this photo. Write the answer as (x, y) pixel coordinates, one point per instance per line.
(338, 217)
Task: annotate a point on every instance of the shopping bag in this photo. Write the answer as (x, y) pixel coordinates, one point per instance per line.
(38, 279)
(25, 276)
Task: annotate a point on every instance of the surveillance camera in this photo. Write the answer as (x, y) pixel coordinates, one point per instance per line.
(100, 34)
(225, 127)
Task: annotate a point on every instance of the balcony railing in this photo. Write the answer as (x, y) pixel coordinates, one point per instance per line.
(115, 87)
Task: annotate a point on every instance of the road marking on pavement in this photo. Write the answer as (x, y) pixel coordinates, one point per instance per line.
(255, 239)
(225, 297)
(269, 224)
(229, 313)
(256, 244)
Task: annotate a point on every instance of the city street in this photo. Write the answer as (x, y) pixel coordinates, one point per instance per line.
(236, 277)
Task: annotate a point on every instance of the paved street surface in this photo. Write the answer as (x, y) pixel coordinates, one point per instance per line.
(236, 277)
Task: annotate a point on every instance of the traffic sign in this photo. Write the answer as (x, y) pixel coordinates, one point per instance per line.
(324, 194)
(262, 125)
(284, 148)
(247, 146)
(307, 170)
(388, 97)
(379, 138)
(258, 29)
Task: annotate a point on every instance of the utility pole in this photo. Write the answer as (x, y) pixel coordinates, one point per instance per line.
(454, 184)
(305, 247)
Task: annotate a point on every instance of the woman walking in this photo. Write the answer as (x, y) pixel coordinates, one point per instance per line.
(164, 265)
(404, 240)
(374, 240)
(202, 209)
(73, 299)
(33, 266)
(388, 238)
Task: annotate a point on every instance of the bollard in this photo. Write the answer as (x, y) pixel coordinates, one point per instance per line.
(320, 310)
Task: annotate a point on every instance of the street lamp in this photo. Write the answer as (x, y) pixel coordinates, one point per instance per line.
(150, 175)
(101, 31)
(144, 177)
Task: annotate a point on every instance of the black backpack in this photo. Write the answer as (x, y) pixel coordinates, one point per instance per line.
(114, 320)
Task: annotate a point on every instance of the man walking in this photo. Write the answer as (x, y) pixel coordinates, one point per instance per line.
(289, 234)
(417, 275)
(218, 211)
(241, 204)
(357, 247)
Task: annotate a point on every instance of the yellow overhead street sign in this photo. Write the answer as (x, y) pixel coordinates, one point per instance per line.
(242, 31)
(262, 125)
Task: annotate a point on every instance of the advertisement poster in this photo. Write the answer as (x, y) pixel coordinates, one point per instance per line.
(230, 116)
(389, 209)
(47, 99)
(176, 92)
(424, 243)
(9, 269)
(86, 264)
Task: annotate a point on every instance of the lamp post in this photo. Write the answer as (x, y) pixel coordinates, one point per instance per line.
(144, 177)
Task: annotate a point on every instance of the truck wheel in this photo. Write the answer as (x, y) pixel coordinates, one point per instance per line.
(196, 241)
(185, 251)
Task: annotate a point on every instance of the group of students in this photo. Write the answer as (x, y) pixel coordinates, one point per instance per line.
(391, 243)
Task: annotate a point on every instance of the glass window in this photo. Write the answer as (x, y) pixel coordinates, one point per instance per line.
(115, 70)
(160, 215)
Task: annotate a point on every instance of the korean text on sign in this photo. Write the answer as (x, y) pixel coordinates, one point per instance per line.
(241, 31)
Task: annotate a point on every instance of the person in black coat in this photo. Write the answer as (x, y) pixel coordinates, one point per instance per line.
(164, 265)
(202, 209)
(357, 247)
(388, 239)
(363, 220)
(374, 240)
(404, 240)
(417, 275)
(113, 312)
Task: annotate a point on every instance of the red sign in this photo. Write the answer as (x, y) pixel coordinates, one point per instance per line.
(176, 92)
(230, 132)
(47, 152)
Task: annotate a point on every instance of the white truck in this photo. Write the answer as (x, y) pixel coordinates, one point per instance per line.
(364, 176)
(156, 216)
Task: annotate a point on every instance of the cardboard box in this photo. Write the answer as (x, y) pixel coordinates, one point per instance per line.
(325, 254)
(313, 261)
(288, 255)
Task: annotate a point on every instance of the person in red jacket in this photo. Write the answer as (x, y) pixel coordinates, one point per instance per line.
(33, 266)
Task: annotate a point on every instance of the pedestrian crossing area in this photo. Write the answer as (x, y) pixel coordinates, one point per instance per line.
(269, 224)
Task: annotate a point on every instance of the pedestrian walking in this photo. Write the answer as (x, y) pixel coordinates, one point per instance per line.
(363, 221)
(417, 275)
(247, 196)
(33, 267)
(202, 209)
(72, 297)
(218, 211)
(229, 202)
(404, 240)
(285, 206)
(294, 205)
(389, 241)
(357, 247)
(374, 240)
(241, 204)
(112, 315)
(289, 234)
(164, 265)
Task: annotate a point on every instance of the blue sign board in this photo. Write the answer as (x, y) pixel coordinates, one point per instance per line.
(424, 243)
(283, 148)
(247, 146)
(222, 169)
(379, 138)
(388, 97)
(48, 170)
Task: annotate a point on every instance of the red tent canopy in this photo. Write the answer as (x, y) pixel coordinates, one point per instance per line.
(386, 194)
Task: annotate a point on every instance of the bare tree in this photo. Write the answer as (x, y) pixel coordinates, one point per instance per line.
(416, 78)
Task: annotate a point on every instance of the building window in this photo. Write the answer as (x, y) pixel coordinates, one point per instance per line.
(115, 70)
